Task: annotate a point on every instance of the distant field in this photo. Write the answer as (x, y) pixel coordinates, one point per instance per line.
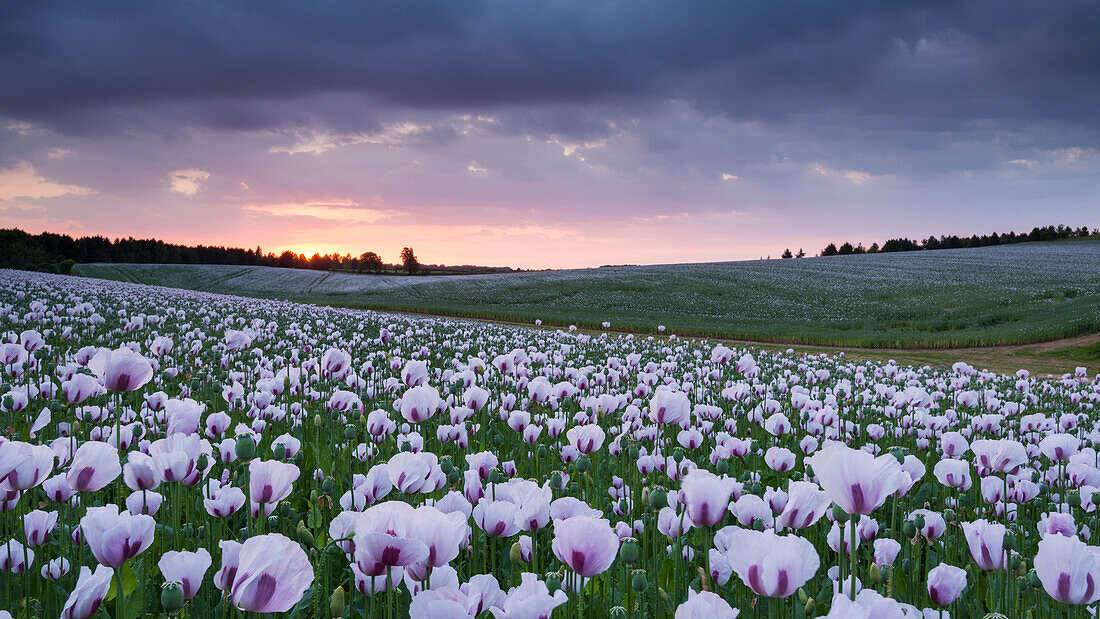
(1012, 294)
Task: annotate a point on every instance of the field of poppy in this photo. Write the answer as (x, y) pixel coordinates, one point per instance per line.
(185, 453)
(1010, 294)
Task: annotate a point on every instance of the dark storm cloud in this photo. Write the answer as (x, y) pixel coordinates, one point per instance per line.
(85, 67)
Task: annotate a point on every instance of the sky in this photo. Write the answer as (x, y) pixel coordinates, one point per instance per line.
(548, 134)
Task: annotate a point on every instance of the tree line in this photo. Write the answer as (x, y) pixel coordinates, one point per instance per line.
(1045, 233)
(58, 253)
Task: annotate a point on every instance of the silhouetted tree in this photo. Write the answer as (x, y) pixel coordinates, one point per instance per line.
(370, 261)
(830, 250)
(787, 254)
(845, 249)
(801, 253)
(409, 261)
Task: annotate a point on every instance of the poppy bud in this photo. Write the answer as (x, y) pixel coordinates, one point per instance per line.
(305, 535)
(327, 485)
(553, 582)
(336, 603)
(279, 451)
(840, 515)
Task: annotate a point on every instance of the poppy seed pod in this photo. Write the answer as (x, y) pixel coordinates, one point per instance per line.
(638, 580)
(171, 597)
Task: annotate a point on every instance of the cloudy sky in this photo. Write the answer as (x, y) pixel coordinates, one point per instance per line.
(548, 134)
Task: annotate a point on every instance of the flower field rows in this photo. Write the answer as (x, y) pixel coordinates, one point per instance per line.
(1011, 294)
(167, 452)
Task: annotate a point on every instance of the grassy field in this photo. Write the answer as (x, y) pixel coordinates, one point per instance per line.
(1013, 294)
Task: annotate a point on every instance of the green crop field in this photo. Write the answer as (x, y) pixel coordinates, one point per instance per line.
(1011, 294)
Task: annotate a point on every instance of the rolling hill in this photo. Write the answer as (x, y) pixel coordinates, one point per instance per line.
(1011, 294)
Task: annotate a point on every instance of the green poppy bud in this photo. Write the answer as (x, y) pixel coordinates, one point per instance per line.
(336, 603)
(840, 515)
(583, 464)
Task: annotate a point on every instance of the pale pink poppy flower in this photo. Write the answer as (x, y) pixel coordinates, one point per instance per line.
(1059, 447)
(144, 502)
(37, 526)
(587, 545)
(1069, 569)
(186, 568)
(273, 572)
(855, 480)
(530, 600)
(705, 496)
(705, 605)
(23, 465)
(15, 558)
(94, 465)
(668, 407)
(121, 369)
(806, 504)
(1003, 455)
(769, 564)
(80, 387)
(115, 536)
(91, 588)
(986, 542)
(945, 583)
(271, 481)
(953, 473)
(419, 403)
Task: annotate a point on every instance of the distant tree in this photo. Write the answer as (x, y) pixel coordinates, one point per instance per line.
(370, 261)
(787, 254)
(845, 249)
(409, 261)
(860, 249)
(801, 253)
(873, 249)
(830, 250)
